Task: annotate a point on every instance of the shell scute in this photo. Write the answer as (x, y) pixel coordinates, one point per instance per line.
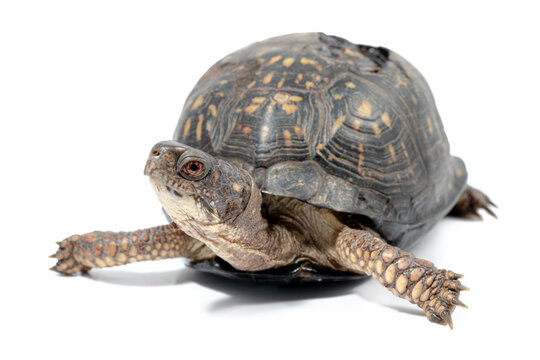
(349, 127)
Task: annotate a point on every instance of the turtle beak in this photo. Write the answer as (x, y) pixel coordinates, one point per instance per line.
(159, 150)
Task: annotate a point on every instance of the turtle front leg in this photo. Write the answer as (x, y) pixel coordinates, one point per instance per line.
(98, 249)
(436, 291)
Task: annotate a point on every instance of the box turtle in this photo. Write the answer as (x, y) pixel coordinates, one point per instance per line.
(302, 158)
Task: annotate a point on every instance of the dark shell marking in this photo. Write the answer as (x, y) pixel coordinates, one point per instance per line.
(349, 127)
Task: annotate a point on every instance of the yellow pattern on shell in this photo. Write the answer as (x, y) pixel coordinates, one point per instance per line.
(337, 124)
(289, 108)
(212, 109)
(268, 78)
(250, 109)
(306, 61)
(430, 125)
(392, 152)
(264, 132)
(187, 125)
(364, 109)
(360, 158)
(296, 98)
(274, 60)
(287, 138)
(376, 129)
(386, 120)
(197, 103)
(288, 62)
(198, 130)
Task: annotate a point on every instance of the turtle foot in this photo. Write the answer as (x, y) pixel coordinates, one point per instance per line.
(67, 264)
(444, 297)
(417, 280)
(471, 201)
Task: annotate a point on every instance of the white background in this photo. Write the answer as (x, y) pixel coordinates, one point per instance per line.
(86, 88)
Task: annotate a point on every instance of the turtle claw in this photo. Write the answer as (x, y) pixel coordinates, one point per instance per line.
(456, 301)
(443, 319)
(478, 200)
(491, 203)
(471, 201)
(476, 214)
(444, 298)
(445, 315)
(454, 276)
(489, 211)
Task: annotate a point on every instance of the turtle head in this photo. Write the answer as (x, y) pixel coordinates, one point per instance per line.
(195, 188)
(214, 201)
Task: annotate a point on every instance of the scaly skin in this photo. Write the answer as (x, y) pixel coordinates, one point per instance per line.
(436, 291)
(80, 253)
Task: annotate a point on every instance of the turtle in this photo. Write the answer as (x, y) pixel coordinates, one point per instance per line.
(302, 158)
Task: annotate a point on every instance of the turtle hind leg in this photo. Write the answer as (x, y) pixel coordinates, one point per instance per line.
(434, 290)
(470, 201)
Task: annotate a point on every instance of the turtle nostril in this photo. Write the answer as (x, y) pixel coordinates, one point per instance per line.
(156, 152)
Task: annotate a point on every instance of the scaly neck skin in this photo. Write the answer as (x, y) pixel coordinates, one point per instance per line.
(315, 229)
(247, 242)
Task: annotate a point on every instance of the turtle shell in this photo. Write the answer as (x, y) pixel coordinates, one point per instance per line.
(297, 273)
(352, 128)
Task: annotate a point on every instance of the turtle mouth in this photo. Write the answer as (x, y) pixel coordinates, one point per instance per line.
(162, 184)
(181, 205)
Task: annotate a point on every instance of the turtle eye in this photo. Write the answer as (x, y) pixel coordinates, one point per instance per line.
(193, 170)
